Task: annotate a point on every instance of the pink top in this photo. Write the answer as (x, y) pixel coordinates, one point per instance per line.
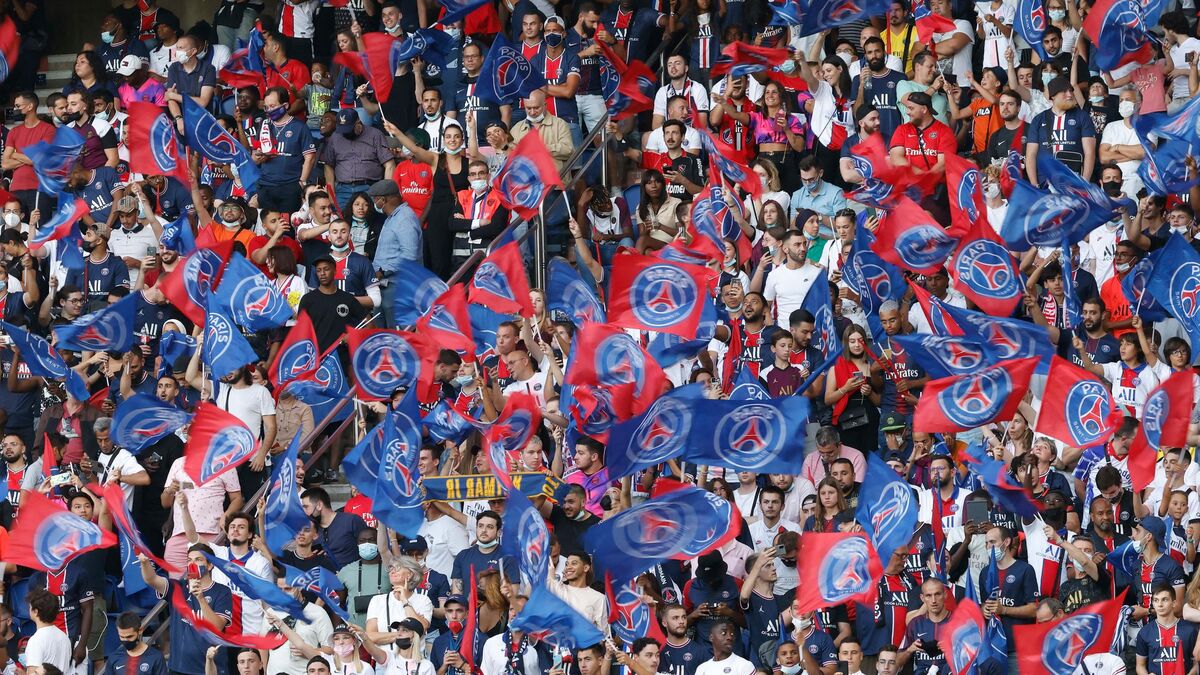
(813, 469)
(206, 503)
(1151, 82)
(765, 131)
(149, 92)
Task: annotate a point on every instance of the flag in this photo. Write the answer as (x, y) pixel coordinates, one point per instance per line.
(668, 349)
(217, 442)
(297, 356)
(324, 389)
(651, 294)
(500, 283)
(942, 356)
(1036, 218)
(448, 321)
(1127, 558)
(470, 636)
(255, 587)
(381, 54)
(321, 582)
(1030, 23)
(53, 160)
(761, 436)
(506, 75)
(1133, 286)
(995, 640)
(458, 9)
(721, 155)
(107, 330)
(386, 360)
(62, 222)
(786, 12)
(961, 639)
(1058, 647)
(547, 618)
(964, 184)
(1121, 28)
(1003, 339)
(398, 494)
(177, 236)
(416, 290)
(153, 147)
(118, 509)
(874, 279)
(202, 134)
(566, 292)
(746, 387)
(706, 223)
(654, 436)
(285, 515)
(966, 402)
(679, 525)
(195, 278)
(630, 616)
(245, 67)
(607, 356)
(526, 538)
(41, 359)
(445, 423)
(887, 507)
(510, 432)
(10, 47)
(825, 339)
(1077, 407)
(984, 271)
(215, 636)
(821, 15)
(431, 44)
(910, 238)
(527, 175)
(46, 536)
(930, 24)
(1101, 207)
(248, 297)
(844, 568)
(745, 59)
(173, 346)
(362, 462)
(484, 325)
(225, 349)
(142, 420)
(635, 92)
(1175, 281)
(1164, 424)
(1006, 492)
(594, 410)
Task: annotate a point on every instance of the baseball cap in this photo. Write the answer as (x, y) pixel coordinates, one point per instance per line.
(496, 123)
(413, 625)
(416, 544)
(383, 188)
(454, 599)
(892, 422)
(1057, 86)
(1156, 527)
(324, 257)
(346, 119)
(168, 19)
(129, 65)
(920, 98)
(127, 204)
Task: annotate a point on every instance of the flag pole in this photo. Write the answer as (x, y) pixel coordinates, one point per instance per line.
(603, 155)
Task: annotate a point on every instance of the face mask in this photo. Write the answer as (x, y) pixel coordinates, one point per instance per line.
(107, 37)
(352, 134)
(339, 249)
(12, 219)
(488, 546)
(433, 117)
(231, 224)
(763, 181)
(277, 114)
(1046, 77)
(553, 39)
(848, 57)
(991, 191)
(1126, 108)
(801, 624)
(368, 551)
(181, 56)
(102, 115)
(394, 30)
(403, 643)
(375, 205)
(87, 246)
(463, 380)
(1123, 267)
(1138, 545)
(535, 120)
(1179, 230)
(202, 54)
(479, 185)
(1096, 100)
(1112, 188)
(787, 563)
(1057, 514)
(72, 117)
(1058, 14)
(453, 151)
(454, 33)
(454, 626)
(343, 650)
(790, 670)
(787, 66)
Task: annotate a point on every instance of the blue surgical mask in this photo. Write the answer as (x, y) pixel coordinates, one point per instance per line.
(1046, 77)
(1058, 14)
(454, 33)
(1096, 100)
(277, 114)
(462, 381)
(787, 66)
(107, 37)
(453, 151)
(368, 551)
(478, 185)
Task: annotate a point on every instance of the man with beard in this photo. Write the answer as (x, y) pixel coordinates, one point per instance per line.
(484, 555)
(942, 504)
(877, 86)
(239, 531)
(1011, 134)
(150, 516)
(751, 321)
(337, 531)
(101, 272)
(680, 654)
(1087, 581)
(894, 374)
(1101, 346)
(18, 472)
(1103, 534)
(867, 119)
(842, 470)
(788, 285)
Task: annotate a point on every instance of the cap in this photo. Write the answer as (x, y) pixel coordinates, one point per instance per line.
(454, 598)
(496, 123)
(1057, 86)
(346, 119)
(802, 216)
(384, 188)
(920, 98)
(342, 628)
(324, 257)
(1156, 527)
(892, 422)
(1000, 75)
(129, 65)
(417, 544)
(894, 456)
(102, 229)
(413, 625)
(127, 204)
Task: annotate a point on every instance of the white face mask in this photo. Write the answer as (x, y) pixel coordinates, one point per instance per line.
(790, 670)
(181, 56)
(800, 623)
(1180, 230)
(1123, 267)
(848, 57)
(479, 185)
(12, 219)
(1126, 108)
(991, 191)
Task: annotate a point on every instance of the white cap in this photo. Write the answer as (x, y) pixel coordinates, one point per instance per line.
(129, 65)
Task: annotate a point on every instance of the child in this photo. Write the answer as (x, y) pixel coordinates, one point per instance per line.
(781, 377)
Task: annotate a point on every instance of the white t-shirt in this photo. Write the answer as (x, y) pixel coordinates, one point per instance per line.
(764, 536)
(692, 88)
(495, 662)
(400, 666)
(121, 460)
(316, 629)
(1120, 133)
(1179, 52)
(446, 537)
(1099, 248)
(386, 609)
(248, 404)
(49, 645)
(960, 63)
(1133, 393)
(994, 42)
(132, 244)
(161, 59)
(730, 665)
(787, 287)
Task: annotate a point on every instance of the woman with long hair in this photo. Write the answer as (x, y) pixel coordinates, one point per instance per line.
(281, 268)
(657, 222)
(772, 190)
(779, 133)
(493, 604)
(89, 76)
(855, 401)
(830, 503)
(345, 82)
(365, 224)
(829, 104)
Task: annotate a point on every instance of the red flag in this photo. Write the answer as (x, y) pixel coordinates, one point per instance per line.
(114, 499)
(929, 23)
(843, 567)
(652, 294)
(633, 86)
(217, 442)
(1164, 425)
(466, 646)
(966, 402)
(377, 48)
(755, 58)
(61, 223)
(385, 360)
(154, 149)
(984, 271)
(352, 61)
(49, 460)
(964, 184)
(10, 45)
(298, 355)
(910, 238)
(510, 432)
(1077, 407)
(1059, 646)
(934, 315)
(194, 277)
(527, 176)
(197, 620)
(448, 322)
(46, 536)
(607, 357)
(500, 283)
(961, 638)
(724, 157)
(630, 617)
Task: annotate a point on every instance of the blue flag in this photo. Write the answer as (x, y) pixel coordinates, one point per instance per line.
(548, 619)
(654, 436)
(874, 279)
(131, 568)
(52, 160)
(1127, 559)
(887, 507)
(108, 330)
(526, 538)
(320, 582)
(566, 292)
(325, 389)
(398, 494)
(42, 359)
(678, 525)
(484, 324)
(1003, 339)
(172, 346)
(1005, 491)
(506, 75)
(458, 9)
(944, 356)
(225, 349)
(1142, 303)
(177, 236)
(995, 642)
(204, 135)
(786, 12)
(444, 424)
(1071, 309)
(1175, 281)
(824, 338)
(667, 349)
(416, 289)
(824, 14)
(247, 296)
(256, 587)
(746, 387)
(1030, 24)
(431, 44)
(142, 420)
(362, 462)
(285, 515)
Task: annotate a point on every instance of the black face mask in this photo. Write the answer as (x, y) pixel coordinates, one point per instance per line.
(1112, 188)
(72, 117)
(788, 563)
(1056, 515)
(403, 643)
(87, 246)
(130, 645)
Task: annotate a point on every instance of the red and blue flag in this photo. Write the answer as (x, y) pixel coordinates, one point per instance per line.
(52, 160)
(62, 222)
(285, 515)
(630, 616)
(431, 44)
(844, 568)
(1077, 407)
(505, 437)
(500, 282)
(966, 402)
(225, 349)
(203, 134)
(655, 295)
(1120, 26)
(961, 638)
(154, 149)
(1058, 647)
(240, 578)
(398, 495)
(527, 176)
(1030, 23)
(547, 618)
(386, 360)
(321, 582)
(297, 356)
(217, 442)
(526, 538)
(506, 75)
(416, 290)
(195, 278)
(566, 292)
(448, 321)
(177, 236)
(118, 510)
(10, 47)
(887, 507)
(247, 296)
(910, 238)
(1175, 281)
(821, 15)
(1164, 424)
(608, 356)
(984, 271)
(46, 536)
(944, 355)
(1007, 494)
(741, 59)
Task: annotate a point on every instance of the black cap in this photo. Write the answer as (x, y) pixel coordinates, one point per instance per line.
(413, 625)
(416, 544)
(920, 98)
(324, 257)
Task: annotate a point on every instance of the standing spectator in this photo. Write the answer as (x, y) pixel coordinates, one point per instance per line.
(49, 645)
(1065, 131)
(32, 130)
(205, 504)
(205, 598)
(355, 158)
(399, 241)
(188, 76)
(286, 155)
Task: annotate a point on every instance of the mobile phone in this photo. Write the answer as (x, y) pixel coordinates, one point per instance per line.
(60, 479)
(977, 511)
(843, 668)
(193, 571)
(780, 551)
(931, 648)
(186, 485)
(150, 250)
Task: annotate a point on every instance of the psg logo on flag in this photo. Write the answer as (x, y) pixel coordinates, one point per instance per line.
(967, 641)
(750, 435)
(870, 276)
(1087, 410)
(1043, 224)
(384, 363)
(1154, 416)
(662, 431)
(228, 447)
(601, 418)
(1066, 644)
(894, 503)
(61, 535)
(834, 13)
(975, 400)
(253, 299)
(1184, 298)
(923, 246)
(149, 423)
(162, 143)
(535, 540)
(956, 356)
(397, 456)
(516, 430)
(749, 391)
(620, 360)
(101, 336)
(489, 277)
(659, 531)
(967, 189)
(427, 292)
(633, 615)
(296, 359)
(199, 273)
(521, 183)
(845, 571)
(512, 70)
(218, 336)
(986, 267)
(578, 296)
(664, 295)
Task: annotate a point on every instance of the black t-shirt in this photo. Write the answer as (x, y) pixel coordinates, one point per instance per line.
(690, 167)
(570, 531)
(330, 314)
(1002, 141)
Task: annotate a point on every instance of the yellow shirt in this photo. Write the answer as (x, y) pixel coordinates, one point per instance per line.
(894, 41)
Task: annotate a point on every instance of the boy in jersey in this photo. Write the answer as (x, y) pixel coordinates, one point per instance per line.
(138, 658)
(1166, 645)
